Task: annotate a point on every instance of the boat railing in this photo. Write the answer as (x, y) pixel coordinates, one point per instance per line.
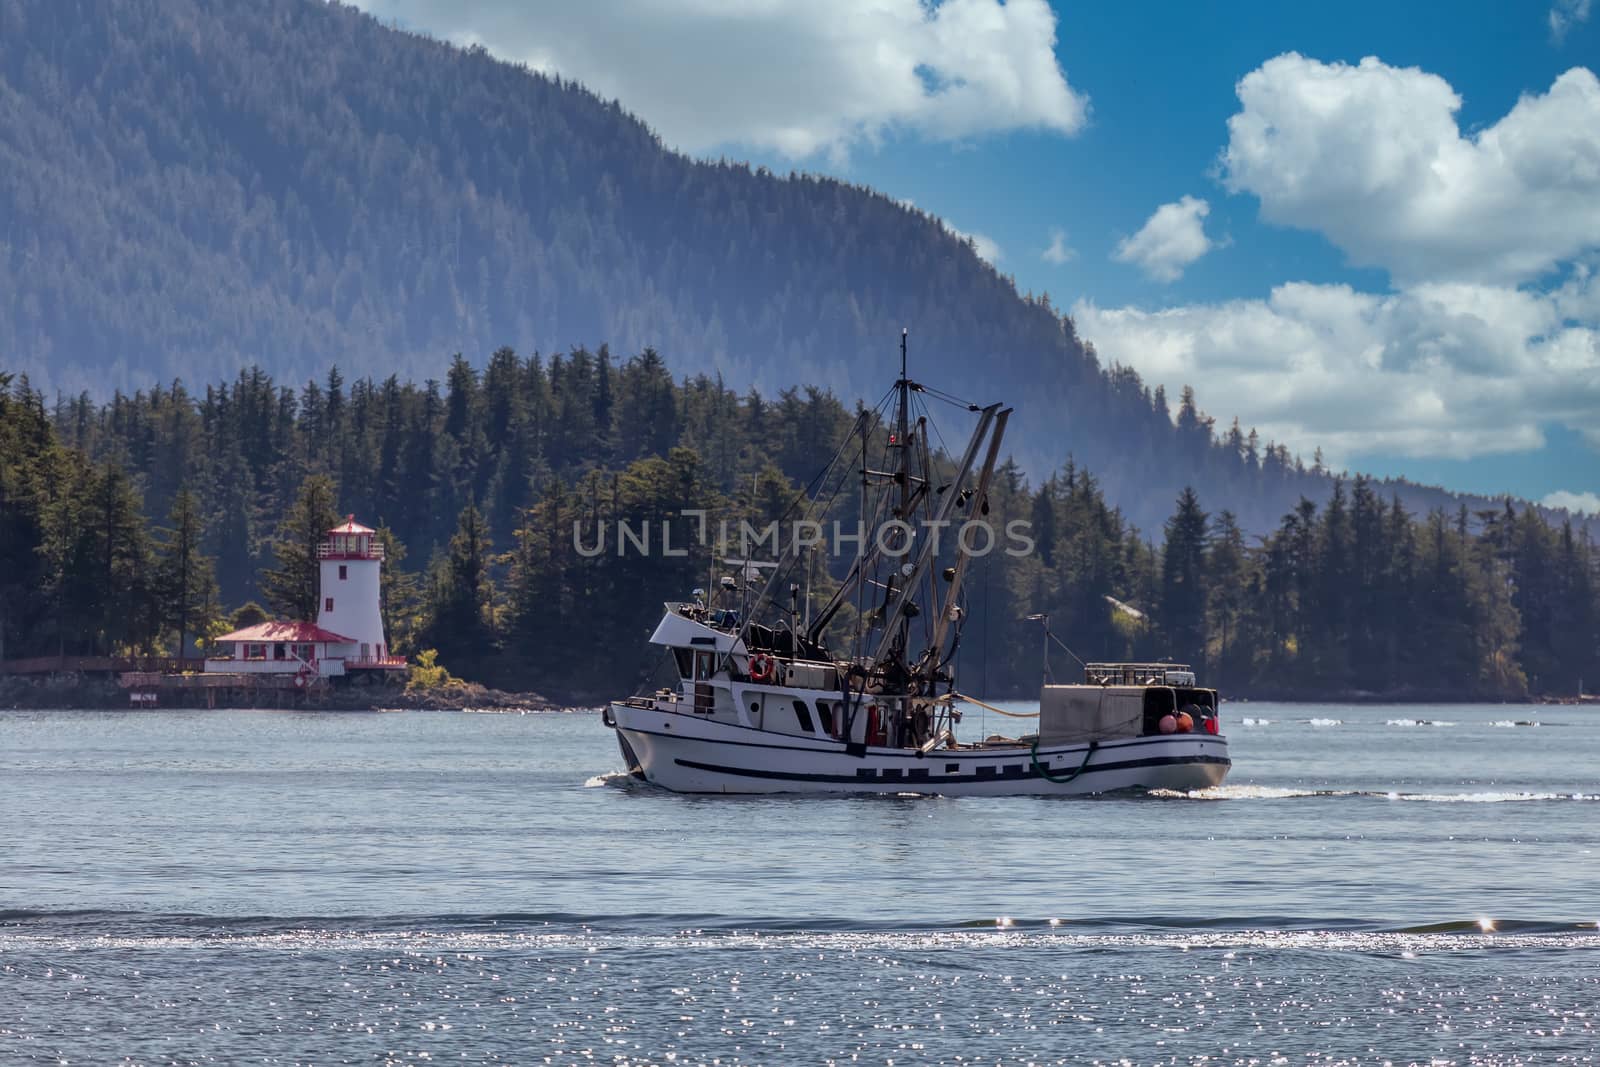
(716, 618)
(1136, 673)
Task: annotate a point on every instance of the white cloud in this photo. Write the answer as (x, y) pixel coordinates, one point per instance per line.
(1564, 14)
(1372, 157)
(1445, 368)
(800, 77)
(1169, 241)
(1059, 251)
(1476, 347)
(1586, 503)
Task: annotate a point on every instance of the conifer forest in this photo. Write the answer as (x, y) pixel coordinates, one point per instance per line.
(145, 524)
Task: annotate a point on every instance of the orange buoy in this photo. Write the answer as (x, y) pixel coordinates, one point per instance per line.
(1185, 722)
(1169, 724)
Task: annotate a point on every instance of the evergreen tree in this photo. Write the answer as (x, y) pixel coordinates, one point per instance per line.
(1183, 587)
(1228, 580)
(291, 588)
(460, 610)
(247, 615)
(1044, 522)
(186, 583)
(400, 594)
(1328, 621)
(30, 462)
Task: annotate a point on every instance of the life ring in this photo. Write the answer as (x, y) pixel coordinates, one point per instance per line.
(762, 669)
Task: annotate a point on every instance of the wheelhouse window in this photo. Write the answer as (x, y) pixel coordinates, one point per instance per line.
(825, 716)
(804, 715)
(685, 661)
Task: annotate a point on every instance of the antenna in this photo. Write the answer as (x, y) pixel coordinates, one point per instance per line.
(1048, 678)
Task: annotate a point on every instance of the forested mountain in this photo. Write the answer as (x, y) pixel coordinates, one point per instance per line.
(135, 525)
(190, 187)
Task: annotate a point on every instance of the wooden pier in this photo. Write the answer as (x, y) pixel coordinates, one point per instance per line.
(218, 690)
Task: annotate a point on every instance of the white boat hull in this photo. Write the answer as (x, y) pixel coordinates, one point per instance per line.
(688, 753)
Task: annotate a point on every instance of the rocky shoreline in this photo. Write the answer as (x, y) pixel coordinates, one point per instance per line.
(69, 691)
(63, 691)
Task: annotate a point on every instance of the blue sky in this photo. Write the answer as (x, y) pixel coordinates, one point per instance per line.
(1392, 258)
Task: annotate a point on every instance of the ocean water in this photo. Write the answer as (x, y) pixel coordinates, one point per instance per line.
(1374, 884)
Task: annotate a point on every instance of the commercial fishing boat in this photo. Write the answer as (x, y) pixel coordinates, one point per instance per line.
(762, 705)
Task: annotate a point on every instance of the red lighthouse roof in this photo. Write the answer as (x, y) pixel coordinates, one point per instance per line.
(298, 632)
(351, 526)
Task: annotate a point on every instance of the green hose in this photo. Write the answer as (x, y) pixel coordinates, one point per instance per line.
(1047, 776)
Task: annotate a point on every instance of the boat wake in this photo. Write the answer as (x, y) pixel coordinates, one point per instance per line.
(425, 935)
(1249, 792)
(1488, 798)
(615, 780)
(1262, 792)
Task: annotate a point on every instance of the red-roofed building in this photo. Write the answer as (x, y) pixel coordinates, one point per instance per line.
(277, 630)
(349, 562)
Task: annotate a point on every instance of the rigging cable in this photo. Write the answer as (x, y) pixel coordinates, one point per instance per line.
(1064, 648)
(953, 695)
(948, 398)
(864, 421)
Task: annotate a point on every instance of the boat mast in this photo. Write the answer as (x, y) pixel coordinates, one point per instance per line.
(902, 475)
(914, 572)
(963, 556)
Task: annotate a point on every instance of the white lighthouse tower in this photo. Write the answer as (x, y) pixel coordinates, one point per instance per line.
(351, 560)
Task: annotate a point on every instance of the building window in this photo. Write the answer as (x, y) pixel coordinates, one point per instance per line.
(343, 573)
(327, 604)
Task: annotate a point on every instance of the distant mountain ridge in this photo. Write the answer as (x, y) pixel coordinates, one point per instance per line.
(191, 186)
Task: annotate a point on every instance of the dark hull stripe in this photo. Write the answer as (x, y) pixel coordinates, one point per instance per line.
(911, 784)
(837, 748)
